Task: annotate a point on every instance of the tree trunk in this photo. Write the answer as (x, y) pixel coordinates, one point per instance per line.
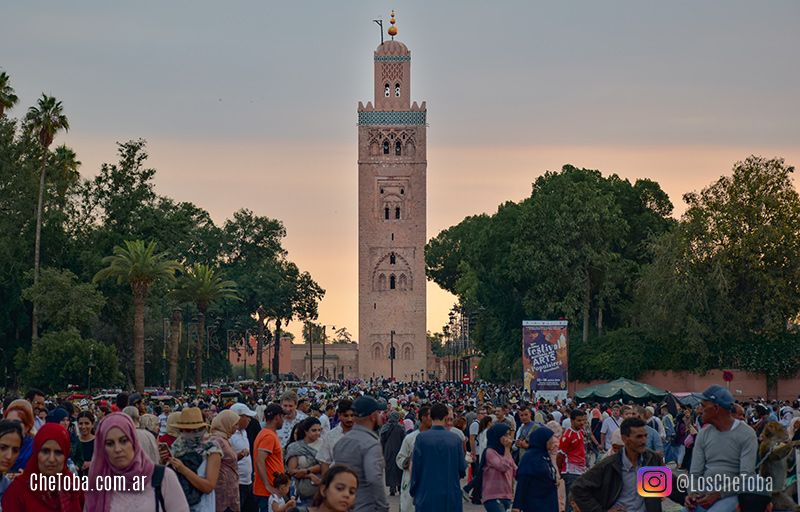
(276, 358)
(587, 305)
(599, 322)
(175, 339)
(38, 245)
(198, 354)
(260, 341)
(311, 350)
(139, 294)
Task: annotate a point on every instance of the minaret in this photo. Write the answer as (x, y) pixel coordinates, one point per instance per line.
(391, 222)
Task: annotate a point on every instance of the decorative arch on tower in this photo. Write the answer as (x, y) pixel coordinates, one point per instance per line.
(407, 351)
(385, 273)
(377, 351)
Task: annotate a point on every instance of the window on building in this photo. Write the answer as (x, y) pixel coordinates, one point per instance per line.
(386, 213)
(402, 191)
(392, 283)
(386, 90)
(381, 191)
(386, 147)
(392, 259)
(397, 148)
(397, 90)
(397, 213)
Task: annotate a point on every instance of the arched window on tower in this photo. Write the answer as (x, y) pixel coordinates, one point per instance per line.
(403, 282)
(381, 282)
(386, 213)
(397, 90)
(407, 353)
(397, 213)
(392, 282)
(387, 90)
(392, 259)
(397, 148)
(376, 354)
(386, 147)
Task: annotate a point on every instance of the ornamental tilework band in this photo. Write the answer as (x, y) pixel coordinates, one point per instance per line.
(393, 58)
(391, 118)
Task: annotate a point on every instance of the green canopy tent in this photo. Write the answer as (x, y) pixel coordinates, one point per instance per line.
(621, 389)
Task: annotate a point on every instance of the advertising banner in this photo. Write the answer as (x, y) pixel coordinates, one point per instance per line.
(544, 358)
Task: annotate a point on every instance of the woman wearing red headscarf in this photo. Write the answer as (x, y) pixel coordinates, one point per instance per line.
(117, 453)
(49, 458)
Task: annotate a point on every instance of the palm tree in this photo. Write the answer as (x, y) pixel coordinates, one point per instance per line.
(138, 265)
(66, 164)
(7, 97)
(202, 285)
(45, 119)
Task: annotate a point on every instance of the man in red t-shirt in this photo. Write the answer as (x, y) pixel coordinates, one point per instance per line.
(571, 456)
(269, 456)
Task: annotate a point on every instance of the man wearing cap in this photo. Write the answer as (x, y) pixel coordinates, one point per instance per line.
(361, 451)
(269, 456)
(437, 466)
(241, 445)
(725, 446)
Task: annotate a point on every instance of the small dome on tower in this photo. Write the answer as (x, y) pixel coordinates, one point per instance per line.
(392, 48)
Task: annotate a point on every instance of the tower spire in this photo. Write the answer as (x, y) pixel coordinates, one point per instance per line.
(392, 30)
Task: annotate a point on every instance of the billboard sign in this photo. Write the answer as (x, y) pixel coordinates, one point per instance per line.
(544, 358)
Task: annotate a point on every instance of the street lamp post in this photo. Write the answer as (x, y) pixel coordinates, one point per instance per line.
(391, 355)
(324, 335)
(91, 365)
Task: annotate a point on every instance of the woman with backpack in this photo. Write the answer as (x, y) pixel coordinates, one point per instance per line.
(117, 453)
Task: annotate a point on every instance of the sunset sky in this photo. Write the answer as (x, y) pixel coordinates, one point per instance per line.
(253, 104)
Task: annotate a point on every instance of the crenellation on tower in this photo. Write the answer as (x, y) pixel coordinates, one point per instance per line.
(392, 222)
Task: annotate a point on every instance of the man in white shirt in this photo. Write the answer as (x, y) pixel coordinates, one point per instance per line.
(162, 420)
(325, 452)
(325, 419)
(260, 410)
(241, 445)
(610, 424)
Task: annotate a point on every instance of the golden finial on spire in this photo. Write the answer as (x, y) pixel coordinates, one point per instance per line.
(392, 30)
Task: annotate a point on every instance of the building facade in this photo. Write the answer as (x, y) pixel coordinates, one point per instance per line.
(391, 223)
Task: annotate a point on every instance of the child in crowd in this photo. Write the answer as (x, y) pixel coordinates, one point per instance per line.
(277, 503)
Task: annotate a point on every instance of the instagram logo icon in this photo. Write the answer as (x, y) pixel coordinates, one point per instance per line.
(654, 481)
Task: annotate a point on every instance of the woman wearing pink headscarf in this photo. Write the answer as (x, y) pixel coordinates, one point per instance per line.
(117, 453)
(557, 431)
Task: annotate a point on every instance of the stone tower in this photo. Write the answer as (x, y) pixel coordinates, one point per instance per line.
(391, 223)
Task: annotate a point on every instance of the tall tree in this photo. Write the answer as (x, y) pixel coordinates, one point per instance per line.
(66, 164)
(45, 119)
(138, 265)
(202, 285)
(7, 97)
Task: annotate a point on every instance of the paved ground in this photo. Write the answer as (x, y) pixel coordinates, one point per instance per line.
(394, 503)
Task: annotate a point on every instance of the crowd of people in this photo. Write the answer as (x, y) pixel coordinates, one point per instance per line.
(352, 445)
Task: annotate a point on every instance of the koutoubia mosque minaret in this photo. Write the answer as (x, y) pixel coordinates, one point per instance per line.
(391, 222)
